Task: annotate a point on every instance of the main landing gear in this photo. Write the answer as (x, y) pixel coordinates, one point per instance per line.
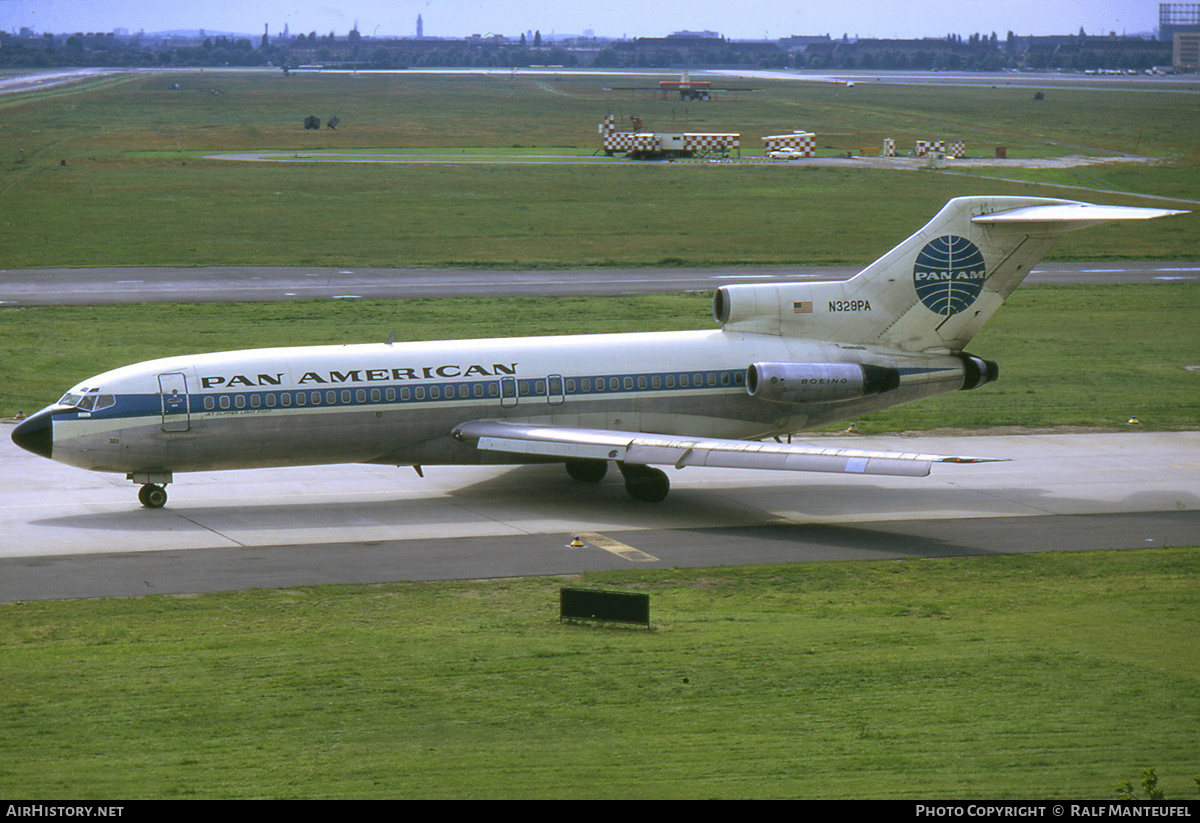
(641, 482)
(644, 483)
(587, 471)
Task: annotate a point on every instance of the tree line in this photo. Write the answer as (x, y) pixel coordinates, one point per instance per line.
(976, 53)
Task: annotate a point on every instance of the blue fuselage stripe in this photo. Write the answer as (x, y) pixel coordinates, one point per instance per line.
(549, 388)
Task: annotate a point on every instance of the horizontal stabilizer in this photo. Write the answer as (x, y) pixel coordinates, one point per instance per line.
(671, 450)
(1072, 215)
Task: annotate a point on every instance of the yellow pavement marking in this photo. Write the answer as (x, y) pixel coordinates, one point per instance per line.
(616, 547)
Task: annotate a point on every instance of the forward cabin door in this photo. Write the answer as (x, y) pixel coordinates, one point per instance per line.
(176, 409)
(508, 392)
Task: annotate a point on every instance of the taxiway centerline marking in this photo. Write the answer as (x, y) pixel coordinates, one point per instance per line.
(617, 547)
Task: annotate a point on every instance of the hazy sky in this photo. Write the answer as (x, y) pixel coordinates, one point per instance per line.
(747, 19)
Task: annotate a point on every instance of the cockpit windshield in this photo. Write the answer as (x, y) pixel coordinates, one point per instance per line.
(87, 400)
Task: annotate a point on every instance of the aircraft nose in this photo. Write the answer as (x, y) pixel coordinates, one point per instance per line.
(36, 434)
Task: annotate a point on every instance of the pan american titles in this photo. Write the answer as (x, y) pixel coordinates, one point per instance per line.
(361, 375)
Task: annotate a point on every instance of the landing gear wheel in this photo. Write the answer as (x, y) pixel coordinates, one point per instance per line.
(646, 484)
(152, 496)
(587, 471)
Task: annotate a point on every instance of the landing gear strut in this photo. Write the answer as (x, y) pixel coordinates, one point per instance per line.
(152, 496)
(644, 483)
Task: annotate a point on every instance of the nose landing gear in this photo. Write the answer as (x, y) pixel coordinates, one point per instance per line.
(153, 493)
(152, 496)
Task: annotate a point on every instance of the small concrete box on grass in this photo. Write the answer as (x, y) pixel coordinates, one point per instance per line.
(590, 604)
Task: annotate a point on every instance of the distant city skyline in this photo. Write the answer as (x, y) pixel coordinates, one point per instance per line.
(762, 19)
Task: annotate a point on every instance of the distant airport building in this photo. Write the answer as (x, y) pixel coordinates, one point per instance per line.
(1185, 51)
(1179, 24)
(1178, 18)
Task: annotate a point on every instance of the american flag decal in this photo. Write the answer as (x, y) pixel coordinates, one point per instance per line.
(802, 307)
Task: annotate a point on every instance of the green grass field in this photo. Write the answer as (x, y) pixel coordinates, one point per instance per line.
(1036, 676)
(113, 173)
(1027, 676)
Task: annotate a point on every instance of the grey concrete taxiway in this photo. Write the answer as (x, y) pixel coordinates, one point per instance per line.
(68, 533)
(158, 284)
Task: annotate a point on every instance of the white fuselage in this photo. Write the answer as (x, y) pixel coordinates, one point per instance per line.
(398, 403)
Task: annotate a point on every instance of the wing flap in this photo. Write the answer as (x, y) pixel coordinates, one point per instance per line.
(670, 450)
(552, 448)
(784, 457)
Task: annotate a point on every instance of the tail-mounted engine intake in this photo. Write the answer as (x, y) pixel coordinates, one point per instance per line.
(818, 382)
(977, 371)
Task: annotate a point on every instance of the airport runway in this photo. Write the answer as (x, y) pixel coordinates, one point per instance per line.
(159, 284)
(68, 533)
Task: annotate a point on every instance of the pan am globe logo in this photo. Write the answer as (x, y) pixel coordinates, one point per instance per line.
(949, 274)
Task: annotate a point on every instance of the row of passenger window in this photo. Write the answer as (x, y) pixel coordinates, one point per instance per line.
(465, 391)
(654, 381)
(346, 396)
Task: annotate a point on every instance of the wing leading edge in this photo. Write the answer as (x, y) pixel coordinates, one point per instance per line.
(672, 450)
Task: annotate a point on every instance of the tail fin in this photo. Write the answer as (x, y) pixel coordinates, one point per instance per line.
(935, 290)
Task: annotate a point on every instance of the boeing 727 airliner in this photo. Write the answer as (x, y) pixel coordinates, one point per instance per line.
(787, 357)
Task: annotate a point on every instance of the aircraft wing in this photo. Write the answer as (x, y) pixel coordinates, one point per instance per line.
(673, 450)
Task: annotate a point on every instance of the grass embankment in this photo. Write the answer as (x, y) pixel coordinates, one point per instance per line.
(1049, 676)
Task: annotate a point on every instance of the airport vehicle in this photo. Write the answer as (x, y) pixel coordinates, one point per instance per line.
(646, 145)
(788, 356)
